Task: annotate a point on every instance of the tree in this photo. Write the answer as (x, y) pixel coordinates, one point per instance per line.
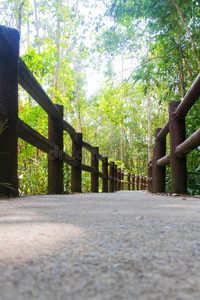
(147, 52)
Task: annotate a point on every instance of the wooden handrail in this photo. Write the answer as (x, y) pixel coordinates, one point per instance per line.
(179, 147)
(89, 169)
(101, 175)
(164, 131)
(69, 129)
(53, 146)
(91, 149)
(30, 84)
(101, 157)
(31, 136)
(189, 100)
(88, 146)
(188, 145)
(165, 160)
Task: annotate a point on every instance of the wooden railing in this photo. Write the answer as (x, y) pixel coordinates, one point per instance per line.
(179, 146)
(13, 71)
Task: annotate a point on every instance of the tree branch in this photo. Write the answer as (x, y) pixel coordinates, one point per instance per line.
(187, 30)
(144, 63)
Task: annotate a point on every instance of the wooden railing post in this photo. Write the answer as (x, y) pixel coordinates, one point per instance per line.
(150, 176)
(133, 182)
(122, 179)
(119, 180)
(177, 164)
(137, 182)
(141, 182)
(95, 164)
(55, 162)
(146, 182)
(158, 172)
(111, 175)
(105, 172)
(115, 174)
(129, 181)
(9, 55)
(76, 172)
(153, 170)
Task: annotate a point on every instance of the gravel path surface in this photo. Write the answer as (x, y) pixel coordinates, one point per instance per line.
(126, 245)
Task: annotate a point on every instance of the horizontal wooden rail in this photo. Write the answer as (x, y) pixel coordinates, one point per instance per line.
(91, 149)
(34, 138)
(189, 100)
(101, 175)
(89, 169)
(101, 157)
(29, 83)
(164, 131)
(87, 146)
(188, 145)
(165, 160)
(183, 149)
(69, 129)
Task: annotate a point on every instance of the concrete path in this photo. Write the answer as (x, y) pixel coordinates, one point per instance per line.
(126, 245)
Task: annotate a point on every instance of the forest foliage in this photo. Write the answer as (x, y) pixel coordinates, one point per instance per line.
(114, 65)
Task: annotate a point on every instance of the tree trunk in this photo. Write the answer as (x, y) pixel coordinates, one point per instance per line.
(28, 28)
(77, 66)
(181, 75)
(20, 17)
(122, 142)
(57, 67)
(77, 103)
(188, 68)
(147, 82)
(149, 125)
(60, 55)
(188, 32)
(36, 24)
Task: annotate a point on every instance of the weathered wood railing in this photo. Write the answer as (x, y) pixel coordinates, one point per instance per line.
(13, 71)
(179, 145)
